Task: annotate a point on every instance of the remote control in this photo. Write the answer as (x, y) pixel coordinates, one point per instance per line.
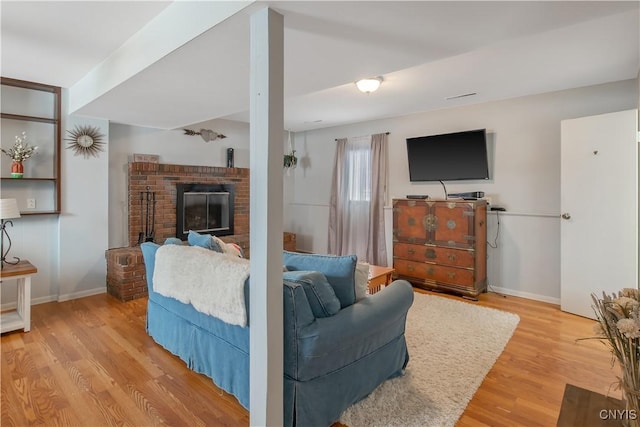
(417, 196)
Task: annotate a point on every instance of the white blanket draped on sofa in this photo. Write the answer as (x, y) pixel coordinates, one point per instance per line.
(210, 281)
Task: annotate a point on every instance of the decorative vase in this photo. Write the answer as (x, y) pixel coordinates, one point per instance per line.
(17, 169)
(631, 395)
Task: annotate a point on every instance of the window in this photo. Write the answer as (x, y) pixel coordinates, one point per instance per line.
(356, 207)
(358, 169)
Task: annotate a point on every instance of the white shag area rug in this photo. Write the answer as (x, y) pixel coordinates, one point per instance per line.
(452, 346)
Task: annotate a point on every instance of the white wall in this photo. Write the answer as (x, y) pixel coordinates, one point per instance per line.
(68, 249)
(525, 142)
(173, 147)
(34, 238)
(524, 150)
(83, 222)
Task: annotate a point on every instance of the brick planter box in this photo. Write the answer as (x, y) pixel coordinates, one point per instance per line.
(126, 278)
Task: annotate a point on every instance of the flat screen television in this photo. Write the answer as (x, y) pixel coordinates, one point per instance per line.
(448, 157)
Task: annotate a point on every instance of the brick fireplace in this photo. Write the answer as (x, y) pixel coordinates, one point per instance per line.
(163, 179)
(126, 277)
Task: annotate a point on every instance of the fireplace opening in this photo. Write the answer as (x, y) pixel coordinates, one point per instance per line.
(205, 208)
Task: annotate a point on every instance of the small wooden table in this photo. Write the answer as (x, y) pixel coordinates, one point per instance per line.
(581, 407)
(21, 317)
(379, 277)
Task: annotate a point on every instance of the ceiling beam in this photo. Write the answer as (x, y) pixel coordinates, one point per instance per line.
(175, 26)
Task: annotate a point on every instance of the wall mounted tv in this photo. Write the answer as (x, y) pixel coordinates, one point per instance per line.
(448, 157)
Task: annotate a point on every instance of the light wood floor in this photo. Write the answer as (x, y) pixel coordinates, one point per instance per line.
(89, 362)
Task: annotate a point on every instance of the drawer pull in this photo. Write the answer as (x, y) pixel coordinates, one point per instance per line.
(430, 253)
(451, 275)
(411, 251)
(451, 257)
(411, 268)
(430, 271)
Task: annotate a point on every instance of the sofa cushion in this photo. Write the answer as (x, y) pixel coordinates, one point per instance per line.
(339, 271)
(204, 241)
(322, 298)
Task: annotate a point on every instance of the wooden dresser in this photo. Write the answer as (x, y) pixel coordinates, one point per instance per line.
(441, 244)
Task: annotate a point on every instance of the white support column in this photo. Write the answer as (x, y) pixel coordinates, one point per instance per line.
(266, 154)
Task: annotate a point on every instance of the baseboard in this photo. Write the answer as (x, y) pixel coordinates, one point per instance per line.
(59, 298)
(35, 301)
(527, 295)
(82, 294)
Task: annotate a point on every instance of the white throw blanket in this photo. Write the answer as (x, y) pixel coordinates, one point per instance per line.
(213, 283)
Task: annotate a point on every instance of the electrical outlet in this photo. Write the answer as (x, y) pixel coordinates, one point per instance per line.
(31, 203)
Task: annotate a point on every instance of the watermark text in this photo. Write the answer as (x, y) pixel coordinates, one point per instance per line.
(618, 414)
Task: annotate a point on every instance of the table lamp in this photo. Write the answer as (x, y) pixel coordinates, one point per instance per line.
(8, 211)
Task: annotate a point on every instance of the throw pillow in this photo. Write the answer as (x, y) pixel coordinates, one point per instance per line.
(339, 271)
(204, 241)
(173, 241)
(322, 298)
(217, 241)
(362, 280)
(234, 249)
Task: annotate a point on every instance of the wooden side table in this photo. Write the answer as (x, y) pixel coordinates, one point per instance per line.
(379, 277)
(21, 317)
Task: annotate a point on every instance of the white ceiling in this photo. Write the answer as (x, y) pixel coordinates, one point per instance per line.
(426, 51)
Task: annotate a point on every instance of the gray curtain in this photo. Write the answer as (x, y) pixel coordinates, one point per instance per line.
(358, 193)
(336, 209)
(377, 248)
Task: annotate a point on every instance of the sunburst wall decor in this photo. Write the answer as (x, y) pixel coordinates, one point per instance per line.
(85, 140)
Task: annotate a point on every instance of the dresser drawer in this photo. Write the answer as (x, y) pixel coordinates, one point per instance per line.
(444, 256)
(433, 272)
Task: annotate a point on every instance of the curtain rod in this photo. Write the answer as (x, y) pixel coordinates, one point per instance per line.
(386, 133)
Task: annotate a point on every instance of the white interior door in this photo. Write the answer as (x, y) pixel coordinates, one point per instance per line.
(599, 207)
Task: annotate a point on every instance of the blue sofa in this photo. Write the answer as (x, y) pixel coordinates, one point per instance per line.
(336, 350)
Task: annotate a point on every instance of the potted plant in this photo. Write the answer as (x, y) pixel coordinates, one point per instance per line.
(290, 160)
(19, 153)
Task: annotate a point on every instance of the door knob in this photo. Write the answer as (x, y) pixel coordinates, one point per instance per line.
(566, 216)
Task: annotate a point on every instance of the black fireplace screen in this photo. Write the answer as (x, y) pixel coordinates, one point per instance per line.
(205, 208)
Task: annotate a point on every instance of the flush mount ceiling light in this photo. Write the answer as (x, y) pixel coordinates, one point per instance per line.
(369, 85)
